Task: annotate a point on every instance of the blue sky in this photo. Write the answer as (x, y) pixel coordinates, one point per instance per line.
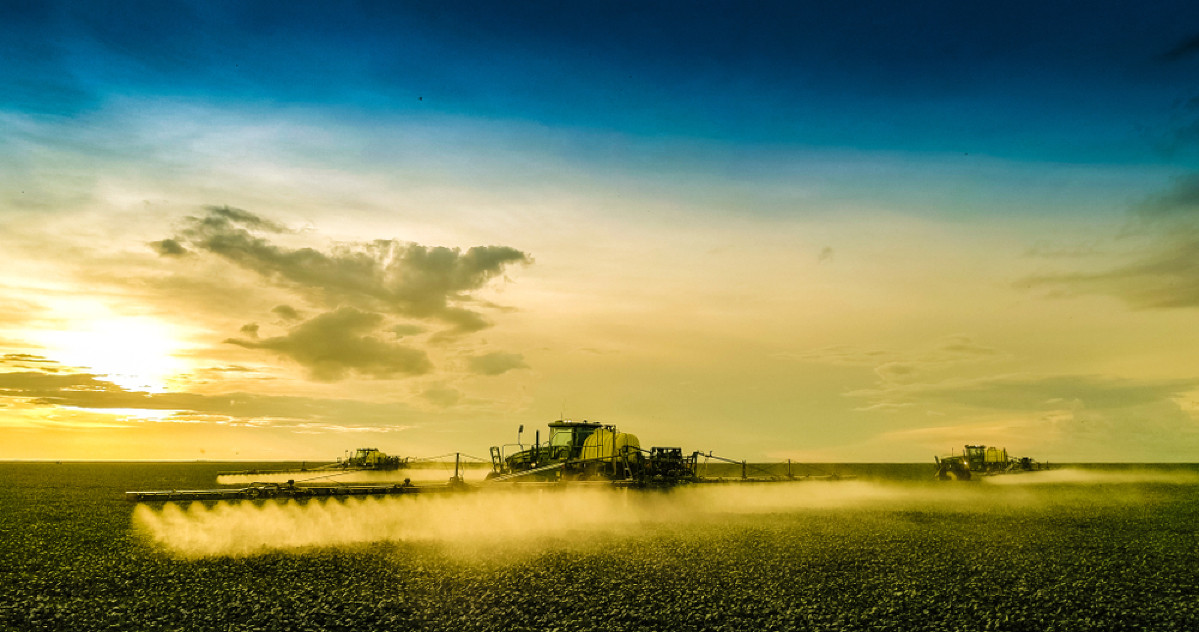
(1101, 82)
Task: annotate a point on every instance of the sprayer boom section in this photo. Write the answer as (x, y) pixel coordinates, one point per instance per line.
(981, 460)
(255, 491)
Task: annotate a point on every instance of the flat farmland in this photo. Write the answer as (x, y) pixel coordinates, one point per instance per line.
(1111, 548)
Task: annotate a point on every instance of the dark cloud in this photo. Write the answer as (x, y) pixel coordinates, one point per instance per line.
(963, 347)
(1168, 277)
(1164, 273)
(497, 363)
(89, 391)
(1016, 393)
(402, 331)
(224, 217)
(387, 276)
(221, 372)
(1180, 202)
(362, 288)
(286, 312)
(335, 344)
(168, 248)
(28, 359)
(22, 357)
(40, 385)
(1188, 47)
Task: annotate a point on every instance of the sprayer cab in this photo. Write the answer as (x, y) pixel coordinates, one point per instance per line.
(567, 437)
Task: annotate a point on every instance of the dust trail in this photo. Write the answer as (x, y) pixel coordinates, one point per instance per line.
(244, 528)
(1078, 476)
(541, 517)
(247, 528)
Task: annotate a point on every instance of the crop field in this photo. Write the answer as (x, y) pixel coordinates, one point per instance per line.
(1075, 549)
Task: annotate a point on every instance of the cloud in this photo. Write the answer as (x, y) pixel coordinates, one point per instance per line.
(93, 392)
(1167, 277)
(286, 312)
(844, 355)
(1023, 393)
(402, 331)
(223, 371)
(365, 295)
(1181, 201)
(17, 311)
(896, 371)
(30, 361)
(442, 396)
(1186, 48)
(1177, 136)
(948, 351)
(221, 218)
(314, 428)
(1046, 250)
(387, 276)
(1163, 272)
(169, 248)
(334, 344)
(961, 348)
(497, 363)
(40, 385)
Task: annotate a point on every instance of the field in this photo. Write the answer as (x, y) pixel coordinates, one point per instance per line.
(1092, 549)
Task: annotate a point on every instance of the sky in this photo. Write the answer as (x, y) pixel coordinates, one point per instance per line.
(826, 232)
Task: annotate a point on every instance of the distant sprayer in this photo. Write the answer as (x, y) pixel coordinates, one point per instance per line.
(981, 460)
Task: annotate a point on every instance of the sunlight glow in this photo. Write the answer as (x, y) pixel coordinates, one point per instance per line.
(135, 353)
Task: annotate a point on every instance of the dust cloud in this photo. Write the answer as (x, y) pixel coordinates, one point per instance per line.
(242, 528)
(541, 517)
(1078, 476)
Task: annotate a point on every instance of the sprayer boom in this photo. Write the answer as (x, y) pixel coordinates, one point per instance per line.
(256, 491)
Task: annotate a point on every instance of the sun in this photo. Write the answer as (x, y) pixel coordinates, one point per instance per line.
(135, 353)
